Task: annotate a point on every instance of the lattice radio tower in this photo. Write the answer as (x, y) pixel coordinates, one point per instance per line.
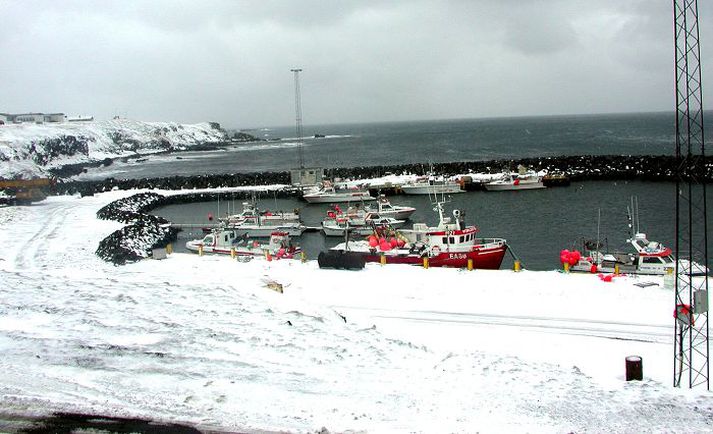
(691, 351)
(298, 115)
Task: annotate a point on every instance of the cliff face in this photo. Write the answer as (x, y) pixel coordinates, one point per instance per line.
(30, 150)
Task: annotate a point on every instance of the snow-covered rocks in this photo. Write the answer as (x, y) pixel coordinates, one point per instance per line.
(28, 150)
(145, 232)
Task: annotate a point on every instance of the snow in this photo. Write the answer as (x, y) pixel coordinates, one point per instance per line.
(203, 340)
(21, 144)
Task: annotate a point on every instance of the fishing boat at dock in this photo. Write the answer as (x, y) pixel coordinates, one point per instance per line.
(337, 226)
(432, 185)
(251, 214)
(229, 242)
(523, 179)
(384, 208)
(450, 244)
(642, 257)
(330, 193)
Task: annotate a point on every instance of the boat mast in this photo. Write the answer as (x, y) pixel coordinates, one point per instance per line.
(298, 115)
(599, 220)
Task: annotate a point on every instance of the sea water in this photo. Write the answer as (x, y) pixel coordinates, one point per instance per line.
(537, 224)
(418, 142)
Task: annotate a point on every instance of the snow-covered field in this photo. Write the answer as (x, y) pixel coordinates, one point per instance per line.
(203, 340)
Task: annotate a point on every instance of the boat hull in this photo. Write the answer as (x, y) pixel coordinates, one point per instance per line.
(485, 259)
(513, 187)
(431, 189)
(259, 251)
(266, 231)
(338, 198)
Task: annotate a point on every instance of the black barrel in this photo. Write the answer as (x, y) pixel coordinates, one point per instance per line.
(634, 368)
(341, 260)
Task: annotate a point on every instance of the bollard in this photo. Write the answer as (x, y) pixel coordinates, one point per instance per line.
(200, 250)
(470, 264)
(232, 252)
(169, 248)
(634, 368)
(425, 263)
(382, 259)
(516, 266)
(616, 268)
(303, 258)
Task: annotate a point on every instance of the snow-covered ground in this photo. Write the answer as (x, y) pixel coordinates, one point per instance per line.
(203, 340)
(28, 150)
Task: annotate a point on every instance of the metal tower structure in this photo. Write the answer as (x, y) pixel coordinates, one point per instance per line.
(691, 352)
(298, 115)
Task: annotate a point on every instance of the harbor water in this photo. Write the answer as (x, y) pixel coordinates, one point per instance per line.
(537, 223)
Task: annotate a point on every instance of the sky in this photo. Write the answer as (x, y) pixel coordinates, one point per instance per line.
(230, 61)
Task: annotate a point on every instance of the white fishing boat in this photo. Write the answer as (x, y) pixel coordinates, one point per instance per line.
(643, 256)
(432, 185)
(329, 193)
(524, 179)
(252, 214)
(230, 242)
(359, 224)
(385, 208)
(257, 230)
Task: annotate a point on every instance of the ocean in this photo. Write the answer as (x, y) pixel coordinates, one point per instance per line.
(418, 142)
(537, 224)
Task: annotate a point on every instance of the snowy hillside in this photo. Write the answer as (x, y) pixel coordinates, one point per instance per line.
(205, 341)
(28, 150)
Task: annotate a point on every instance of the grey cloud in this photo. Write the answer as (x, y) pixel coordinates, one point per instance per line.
(229, 61)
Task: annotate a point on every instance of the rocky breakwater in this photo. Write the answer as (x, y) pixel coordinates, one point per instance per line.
(574, 167)
(143, 233)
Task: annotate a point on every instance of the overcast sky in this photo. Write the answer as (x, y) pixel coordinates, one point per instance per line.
(230, 61)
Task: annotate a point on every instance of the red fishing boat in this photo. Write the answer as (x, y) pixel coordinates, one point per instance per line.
(450, 244)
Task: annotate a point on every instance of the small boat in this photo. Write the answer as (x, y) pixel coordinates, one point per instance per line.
(450, 244)
(251, 214)
(385, 209)
(356, 221)
(329, 193)
(337, 227)
(643, 257)
(432, 185)
(228, 241)
(257, 230)
(524, 179)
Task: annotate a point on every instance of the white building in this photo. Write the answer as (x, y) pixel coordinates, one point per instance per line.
(38, 118)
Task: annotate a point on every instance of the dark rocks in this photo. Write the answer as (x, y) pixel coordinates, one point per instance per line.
(144, 232)
(576, 168)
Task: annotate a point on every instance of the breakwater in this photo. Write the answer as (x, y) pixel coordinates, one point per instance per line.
(576, 168)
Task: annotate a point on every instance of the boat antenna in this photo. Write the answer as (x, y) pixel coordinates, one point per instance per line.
(599, 219)
(298, 115)
(637, 215)
(630, 216)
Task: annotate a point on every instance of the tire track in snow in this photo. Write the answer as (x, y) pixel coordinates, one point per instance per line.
(29, 255)
(652, 333)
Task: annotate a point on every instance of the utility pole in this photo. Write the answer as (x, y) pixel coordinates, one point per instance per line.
(691, 353)
(298, 115)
